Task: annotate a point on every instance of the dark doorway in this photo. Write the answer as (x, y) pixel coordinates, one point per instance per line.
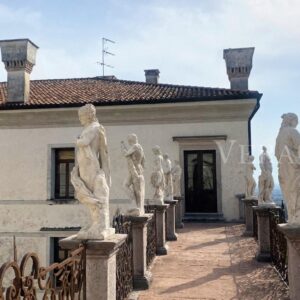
(200, 181)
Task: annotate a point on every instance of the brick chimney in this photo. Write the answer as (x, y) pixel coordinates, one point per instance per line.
(18, 57)
(152, 76)
(239, 65)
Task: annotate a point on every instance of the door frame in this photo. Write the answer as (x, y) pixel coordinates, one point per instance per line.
(202, 143)
(213, 152)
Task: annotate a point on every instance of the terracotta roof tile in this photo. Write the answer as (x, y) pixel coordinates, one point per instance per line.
(99, 91)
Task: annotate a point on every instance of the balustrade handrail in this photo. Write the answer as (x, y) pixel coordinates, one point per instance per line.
(65, 281)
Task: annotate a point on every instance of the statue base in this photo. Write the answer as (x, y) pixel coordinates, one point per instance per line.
(95, 232)
(156, 202)
(248, 206)
(267, 204)
(292, 235)
(263, 231)
(170, 220)
(161, 247)
(100, 264)
(241, 206)
(141, 276)
(135, 212)
(178, 211)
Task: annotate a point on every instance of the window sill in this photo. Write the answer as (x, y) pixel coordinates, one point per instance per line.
(63, 201)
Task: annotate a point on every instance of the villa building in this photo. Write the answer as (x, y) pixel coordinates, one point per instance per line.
(207, 129)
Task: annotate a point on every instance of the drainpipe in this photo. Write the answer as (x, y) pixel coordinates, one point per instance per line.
(256, 108)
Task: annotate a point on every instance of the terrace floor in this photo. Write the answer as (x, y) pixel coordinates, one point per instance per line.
(213, 261)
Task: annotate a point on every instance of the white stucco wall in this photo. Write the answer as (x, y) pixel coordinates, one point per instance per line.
(25, 173)
(25, 166)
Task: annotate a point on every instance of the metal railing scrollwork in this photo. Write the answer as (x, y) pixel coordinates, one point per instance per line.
(60, 281)
(124, 258)
(278, 244)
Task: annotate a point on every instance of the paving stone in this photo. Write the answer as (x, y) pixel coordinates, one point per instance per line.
(213, 261)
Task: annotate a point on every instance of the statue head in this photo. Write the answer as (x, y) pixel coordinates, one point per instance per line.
(87, 114)
(166, 156)
(289, 120)
(156, 150)
(264, 149)
(132, 139)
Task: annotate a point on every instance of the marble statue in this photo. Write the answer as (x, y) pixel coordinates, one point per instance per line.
(91, 174)
(176, 172)
(167, 168)
(157, 177)
(287, 152)
(135, 183)
(265, 181)
(250, 181)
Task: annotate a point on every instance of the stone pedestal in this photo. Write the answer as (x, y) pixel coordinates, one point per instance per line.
(248, 204)
(241, 206)
(141, 277)
(263, 231)
(161, 247)
(292, 234)
(170, 228)
(178, 212)
(100, 264)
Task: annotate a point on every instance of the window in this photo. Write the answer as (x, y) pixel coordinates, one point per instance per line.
(57, 256)
(64, 163)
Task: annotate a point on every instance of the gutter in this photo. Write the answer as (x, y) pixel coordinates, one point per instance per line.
(21, 105)
(256, 108)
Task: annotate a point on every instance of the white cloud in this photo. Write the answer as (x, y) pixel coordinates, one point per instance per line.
(18, 17)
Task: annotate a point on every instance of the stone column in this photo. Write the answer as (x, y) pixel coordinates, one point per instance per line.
(248, 204)
(170, 228)
(100, 264)
(161, 247)
(178, 210)
(292, 234)
(263, 228)
(141, 277)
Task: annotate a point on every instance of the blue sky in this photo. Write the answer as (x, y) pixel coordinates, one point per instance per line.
(184, 39)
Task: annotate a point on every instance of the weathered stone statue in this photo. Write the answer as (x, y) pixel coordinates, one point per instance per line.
(250, 181)
(176, 172)
(287, 152)
(135, 183)
(167, 168)
(157, 177)
(91, 174)
(265, 181)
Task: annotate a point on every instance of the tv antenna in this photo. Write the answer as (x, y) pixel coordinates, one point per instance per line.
(104, 53)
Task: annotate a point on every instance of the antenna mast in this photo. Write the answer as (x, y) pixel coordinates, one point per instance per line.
(104, 53)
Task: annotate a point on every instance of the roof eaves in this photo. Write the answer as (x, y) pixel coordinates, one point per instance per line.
(18, 105)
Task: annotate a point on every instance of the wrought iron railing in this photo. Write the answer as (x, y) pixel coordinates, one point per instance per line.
(278, 243)
(124, 258)
(151, 235)
(60, 281)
